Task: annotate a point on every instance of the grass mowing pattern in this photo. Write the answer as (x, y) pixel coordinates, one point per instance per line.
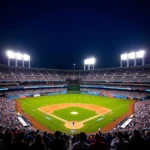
(118, 107)
(82, 113)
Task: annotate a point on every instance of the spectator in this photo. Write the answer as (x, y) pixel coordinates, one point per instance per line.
(6, 144)
(38, 144)
(57, 143)
(98, 144)
(81, 145)
(119, 143)
(45, 139)
(1, 133)
(147, 138)
(136, 142)
(18, 142)
(30, 137)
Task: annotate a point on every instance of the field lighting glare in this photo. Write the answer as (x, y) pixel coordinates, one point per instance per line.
(86, 62)
(134, 56)
(92, 61)
(26, 57)
(131, 55)
(140, 54)
(11, 54)
(124, 56)
(89, 61)
(17, 57)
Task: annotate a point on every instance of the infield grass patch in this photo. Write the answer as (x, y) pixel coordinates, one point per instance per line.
(82, 113)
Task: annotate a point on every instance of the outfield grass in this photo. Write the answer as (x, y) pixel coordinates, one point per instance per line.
(82, 113)
(31, 105)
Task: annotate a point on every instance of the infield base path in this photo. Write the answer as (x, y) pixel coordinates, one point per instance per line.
(69, 124)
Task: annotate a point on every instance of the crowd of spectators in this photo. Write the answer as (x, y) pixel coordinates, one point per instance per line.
(132, 87)
(130, 74)
(118, 78)
(8, 114)
(28, 140)
(33, 140)
(111, 93)
(30, 85)
(35, 91)
(141, 119)
(131, 140)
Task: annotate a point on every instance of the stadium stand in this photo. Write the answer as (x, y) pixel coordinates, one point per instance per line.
(131, 74)
(128, 83)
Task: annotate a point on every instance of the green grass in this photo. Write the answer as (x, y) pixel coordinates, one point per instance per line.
(118, 107)
(66, 113)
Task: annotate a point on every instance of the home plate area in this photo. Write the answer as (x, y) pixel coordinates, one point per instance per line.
(74, 124)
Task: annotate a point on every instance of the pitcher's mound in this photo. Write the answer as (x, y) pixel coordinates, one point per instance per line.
(77, 125)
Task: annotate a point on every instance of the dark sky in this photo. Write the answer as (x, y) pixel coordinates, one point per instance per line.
(59, 33)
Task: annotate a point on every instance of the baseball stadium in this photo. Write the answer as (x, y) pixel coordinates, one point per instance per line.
(75, 101)
(74, 75)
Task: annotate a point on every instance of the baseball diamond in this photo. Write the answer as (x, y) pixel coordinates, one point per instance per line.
(55, 112)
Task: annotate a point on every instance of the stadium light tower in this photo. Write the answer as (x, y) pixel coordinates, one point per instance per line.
(133, 56)
(88, 62)
(17, 56)
(123, 57)
(10, 55)
(141, 54)
(27, 58)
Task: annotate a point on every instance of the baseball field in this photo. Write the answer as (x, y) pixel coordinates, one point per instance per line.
(74, 112)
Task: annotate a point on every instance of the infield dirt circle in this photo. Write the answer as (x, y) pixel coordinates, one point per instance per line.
(69, 124)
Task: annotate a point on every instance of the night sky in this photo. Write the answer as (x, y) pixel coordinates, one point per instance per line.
(59, 33)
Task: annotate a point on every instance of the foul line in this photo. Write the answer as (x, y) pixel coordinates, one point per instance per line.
(63, 120)
(86, 120)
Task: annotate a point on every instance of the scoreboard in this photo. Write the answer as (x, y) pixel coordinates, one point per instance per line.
(72, 81)
(73, 84)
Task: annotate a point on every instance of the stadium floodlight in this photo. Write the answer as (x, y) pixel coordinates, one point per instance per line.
(89, 61)
(86, 62)
(11, 54)
(19, 56)
(140, 54)
(26, 57)
(131, 55)
(124, 56)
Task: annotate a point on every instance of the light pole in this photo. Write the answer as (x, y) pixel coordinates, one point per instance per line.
(74, 66)
(89, 62)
